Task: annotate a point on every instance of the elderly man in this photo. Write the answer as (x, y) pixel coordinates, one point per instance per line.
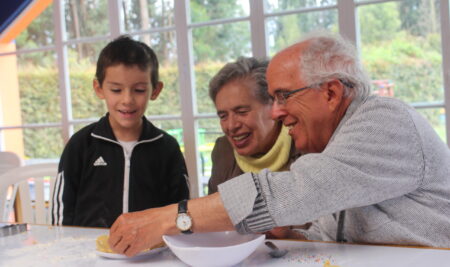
(373, 169)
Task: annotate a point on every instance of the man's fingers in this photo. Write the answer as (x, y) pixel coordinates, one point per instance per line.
(125, 241)
(132, 250)
(113, 240)
(115, 225)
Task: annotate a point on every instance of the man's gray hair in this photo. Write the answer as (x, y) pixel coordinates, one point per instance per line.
(327, 57)
(243, 68)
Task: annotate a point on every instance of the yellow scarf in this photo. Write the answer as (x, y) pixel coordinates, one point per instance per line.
(274, 160)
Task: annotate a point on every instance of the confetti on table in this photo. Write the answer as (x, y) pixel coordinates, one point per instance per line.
(308, 256)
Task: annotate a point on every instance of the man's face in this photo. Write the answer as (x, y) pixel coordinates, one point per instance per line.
(244, 120)
(126, 91)
(306, 113)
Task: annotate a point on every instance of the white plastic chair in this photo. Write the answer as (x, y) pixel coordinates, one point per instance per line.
(8, 161)
(32, 210)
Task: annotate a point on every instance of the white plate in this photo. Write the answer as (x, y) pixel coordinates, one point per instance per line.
(124, 257)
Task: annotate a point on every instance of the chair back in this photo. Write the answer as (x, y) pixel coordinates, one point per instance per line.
(8, 161)
(33, 206)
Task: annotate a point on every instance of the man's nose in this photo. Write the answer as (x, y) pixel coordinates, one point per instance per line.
(277, 112)
(233, 123)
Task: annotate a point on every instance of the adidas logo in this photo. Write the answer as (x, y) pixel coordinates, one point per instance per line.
(100, 162)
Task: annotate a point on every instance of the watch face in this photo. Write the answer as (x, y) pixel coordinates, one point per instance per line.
(184, 222)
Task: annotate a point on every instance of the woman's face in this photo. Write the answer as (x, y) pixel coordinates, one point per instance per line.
(244, 120)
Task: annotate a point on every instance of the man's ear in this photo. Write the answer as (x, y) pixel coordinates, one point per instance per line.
(157, 90)
(334, 93)
(98, 89)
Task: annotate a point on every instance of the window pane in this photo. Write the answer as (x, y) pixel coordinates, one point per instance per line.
(42, 143)
(401, 46)
(283, 5)
(164, 46)
(86, 18)
(38, 83)
(206, 10)
(214, 46)
(39, 33)
(172, 127)
(152, 14)
(436, 117)
(208, 131)
(82, 64)
(283, 31)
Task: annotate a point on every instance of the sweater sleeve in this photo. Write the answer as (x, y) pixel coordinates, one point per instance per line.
(373, 156)
(65, 192)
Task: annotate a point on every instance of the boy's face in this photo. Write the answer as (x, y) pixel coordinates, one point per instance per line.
(126, 91)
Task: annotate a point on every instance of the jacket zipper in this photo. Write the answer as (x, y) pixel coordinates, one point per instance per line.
(126, 174)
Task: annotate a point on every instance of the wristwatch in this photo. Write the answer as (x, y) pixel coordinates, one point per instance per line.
(184, 220)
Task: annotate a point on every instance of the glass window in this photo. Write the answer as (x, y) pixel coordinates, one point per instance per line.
(436, 117)
(172, 127)
(79, 126)
(283, 31)
(401, 49)
(207, 10)
(86, 18)
(82, 64)
(42, 143)
(208, 131)
(164, 46)
(143, 15)
(214, 46)
(284, 5)
(39, 33)
(38, 83)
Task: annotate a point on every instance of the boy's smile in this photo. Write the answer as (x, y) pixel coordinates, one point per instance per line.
(126, 91)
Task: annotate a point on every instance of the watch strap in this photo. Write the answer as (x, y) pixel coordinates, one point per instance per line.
(182, 208)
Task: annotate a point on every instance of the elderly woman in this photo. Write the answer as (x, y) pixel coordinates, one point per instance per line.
(252, 141)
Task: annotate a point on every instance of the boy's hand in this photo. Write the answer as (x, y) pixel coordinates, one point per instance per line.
(135, 231)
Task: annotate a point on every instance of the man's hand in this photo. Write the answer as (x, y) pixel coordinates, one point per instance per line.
(135, 231)
(285, 232)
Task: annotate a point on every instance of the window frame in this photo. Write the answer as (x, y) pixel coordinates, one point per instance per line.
(348, 27)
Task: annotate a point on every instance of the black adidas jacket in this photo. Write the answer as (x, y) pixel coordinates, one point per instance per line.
(91, 182)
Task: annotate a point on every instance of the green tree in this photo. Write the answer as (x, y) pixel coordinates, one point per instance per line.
(419, 17)
(378, 22)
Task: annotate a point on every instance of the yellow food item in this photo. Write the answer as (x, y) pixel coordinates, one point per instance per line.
(328, 264)
(103, 246)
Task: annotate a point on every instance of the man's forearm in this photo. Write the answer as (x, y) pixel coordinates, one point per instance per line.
(135, 231)
(209, 214)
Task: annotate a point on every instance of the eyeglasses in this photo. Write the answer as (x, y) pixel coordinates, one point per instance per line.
(282, 96)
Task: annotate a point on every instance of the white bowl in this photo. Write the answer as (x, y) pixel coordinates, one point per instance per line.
(213, 249)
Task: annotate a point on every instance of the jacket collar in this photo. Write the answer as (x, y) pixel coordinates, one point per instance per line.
(103, 129)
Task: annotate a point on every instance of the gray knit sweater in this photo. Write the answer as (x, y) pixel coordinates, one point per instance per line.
(384, 165)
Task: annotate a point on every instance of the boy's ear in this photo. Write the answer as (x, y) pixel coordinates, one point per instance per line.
(156, 91)
(98, 89)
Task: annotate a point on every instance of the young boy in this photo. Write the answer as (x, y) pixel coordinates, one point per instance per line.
(121, 163)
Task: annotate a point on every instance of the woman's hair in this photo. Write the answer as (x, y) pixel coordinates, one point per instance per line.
(328, 56)
(243, 68)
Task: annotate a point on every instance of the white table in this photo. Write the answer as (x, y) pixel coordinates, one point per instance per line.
(75, 246)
